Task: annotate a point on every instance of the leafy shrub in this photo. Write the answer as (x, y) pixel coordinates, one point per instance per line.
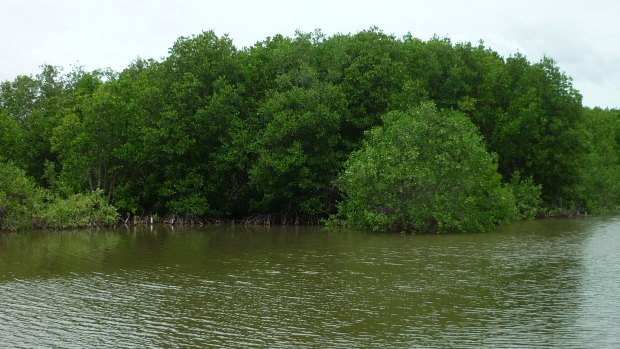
(78, 210)
(598, 189)
(527, 196)
(24, 205)
(20, 198)
(424, 171)
(10, 137)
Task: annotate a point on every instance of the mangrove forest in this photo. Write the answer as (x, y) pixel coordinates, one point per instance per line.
(365, 130)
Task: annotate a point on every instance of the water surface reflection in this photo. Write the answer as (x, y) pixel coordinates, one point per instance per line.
(549, 283)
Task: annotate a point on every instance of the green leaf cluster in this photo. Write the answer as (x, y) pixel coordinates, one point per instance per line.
(424, 170)
(216, 131)
(23, 204)
(20, 198)
(598, 189)
(529, 204)
(90, 209)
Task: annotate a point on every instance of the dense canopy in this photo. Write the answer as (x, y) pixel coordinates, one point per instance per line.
(264, 132)
(422, 171)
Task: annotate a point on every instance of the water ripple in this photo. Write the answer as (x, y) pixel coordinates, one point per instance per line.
(528, 285)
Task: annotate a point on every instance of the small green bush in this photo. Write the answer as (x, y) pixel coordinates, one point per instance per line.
(78, 210)
(423, 171)
(20, 198)
(527, 196)
(24, 205)
(598, 188)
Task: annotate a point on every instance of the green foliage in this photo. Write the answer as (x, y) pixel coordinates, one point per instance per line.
(20, 199)
(424, 171)
(24, 205)
(296, 152)
(11, 142)
(527, 196)
(79, 210)
(598, 188)
(212, 130)
(189, 201)
(372, 75)
(35, 103)
(537, 131)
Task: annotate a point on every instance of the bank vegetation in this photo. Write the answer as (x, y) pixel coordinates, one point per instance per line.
(366, 130)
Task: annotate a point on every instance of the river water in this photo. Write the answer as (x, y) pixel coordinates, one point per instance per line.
(536, 284)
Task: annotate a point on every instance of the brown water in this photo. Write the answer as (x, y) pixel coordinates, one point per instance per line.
(547, 283)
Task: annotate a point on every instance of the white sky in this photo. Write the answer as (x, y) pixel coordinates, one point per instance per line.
(583, 36)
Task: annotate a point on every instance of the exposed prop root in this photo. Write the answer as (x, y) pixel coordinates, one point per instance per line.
(173, 219)
(282, 218)
(179, 219)
(562, 212)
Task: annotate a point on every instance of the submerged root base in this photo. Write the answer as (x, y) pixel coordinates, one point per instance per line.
(282, 218)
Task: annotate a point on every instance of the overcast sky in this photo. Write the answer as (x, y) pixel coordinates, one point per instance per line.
(582, 36)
